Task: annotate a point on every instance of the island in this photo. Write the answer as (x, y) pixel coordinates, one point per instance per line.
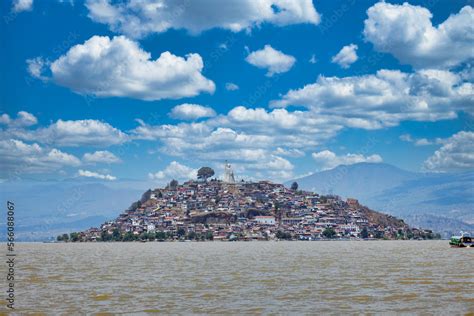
(229, 210)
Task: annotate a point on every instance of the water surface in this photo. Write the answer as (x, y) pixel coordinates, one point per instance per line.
(245, 278)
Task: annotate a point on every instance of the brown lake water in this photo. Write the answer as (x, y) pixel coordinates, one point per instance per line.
(340, 277)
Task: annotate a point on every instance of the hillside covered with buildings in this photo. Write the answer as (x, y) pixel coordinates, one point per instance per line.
(228, 210)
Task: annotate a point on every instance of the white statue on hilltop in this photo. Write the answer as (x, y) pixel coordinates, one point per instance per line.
(228, 173)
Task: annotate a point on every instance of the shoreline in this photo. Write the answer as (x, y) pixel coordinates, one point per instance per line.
(216, 241)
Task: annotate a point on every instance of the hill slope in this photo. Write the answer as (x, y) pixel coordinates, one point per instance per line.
(245, 211)
(421, 198)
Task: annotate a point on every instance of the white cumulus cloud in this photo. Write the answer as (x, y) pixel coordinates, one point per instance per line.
(230, 86)
(423, 142)
(118, 67)
(240, 134)
(72, 133)
(188, 111)
(290, 152)
(37, 67)
(417, 141)
(406, 32)
(23, 119)
(456, 154)
(346, 56)
(250, 138)
(95, 175)
(140, 18)
(174, 170)
(385, 98)
(22, 5)
(271, 59)
(327, 159)
(100, 156)
(17, 158)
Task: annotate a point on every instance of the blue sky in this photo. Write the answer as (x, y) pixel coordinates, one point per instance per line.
(279, 89)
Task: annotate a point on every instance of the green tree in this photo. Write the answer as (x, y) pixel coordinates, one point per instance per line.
(191, 235)
(364, 233)
(400, 234)
(379, 234)
(116, 235)
(143, 236)
(74, 236)
(204, 173)
(181, 232)
(283, 235)
(129, 236)
(209, 235)
(104, 235)
(151, 236)
(160, 235)
(174, 184)
(294, 186)
(329, 232)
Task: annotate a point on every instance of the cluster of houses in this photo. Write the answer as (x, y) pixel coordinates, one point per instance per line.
(219, 210)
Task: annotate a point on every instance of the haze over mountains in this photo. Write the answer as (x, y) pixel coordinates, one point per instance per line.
(440, 201)
(47, 208)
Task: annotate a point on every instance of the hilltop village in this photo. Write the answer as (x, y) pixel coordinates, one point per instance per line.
(228, 210)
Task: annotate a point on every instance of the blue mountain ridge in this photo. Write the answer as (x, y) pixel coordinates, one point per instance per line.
(47, 208)
(442, 202)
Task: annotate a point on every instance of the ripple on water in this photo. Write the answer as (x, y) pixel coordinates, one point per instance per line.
(34, 279)
(245, 278)
(424, 281)
(100, 297)
(401, 297)
(151, 311)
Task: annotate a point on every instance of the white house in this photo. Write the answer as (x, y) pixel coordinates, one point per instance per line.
(150, 227)
(265, 220)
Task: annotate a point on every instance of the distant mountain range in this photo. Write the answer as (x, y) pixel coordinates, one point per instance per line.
(441, 201)
(48, 208)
